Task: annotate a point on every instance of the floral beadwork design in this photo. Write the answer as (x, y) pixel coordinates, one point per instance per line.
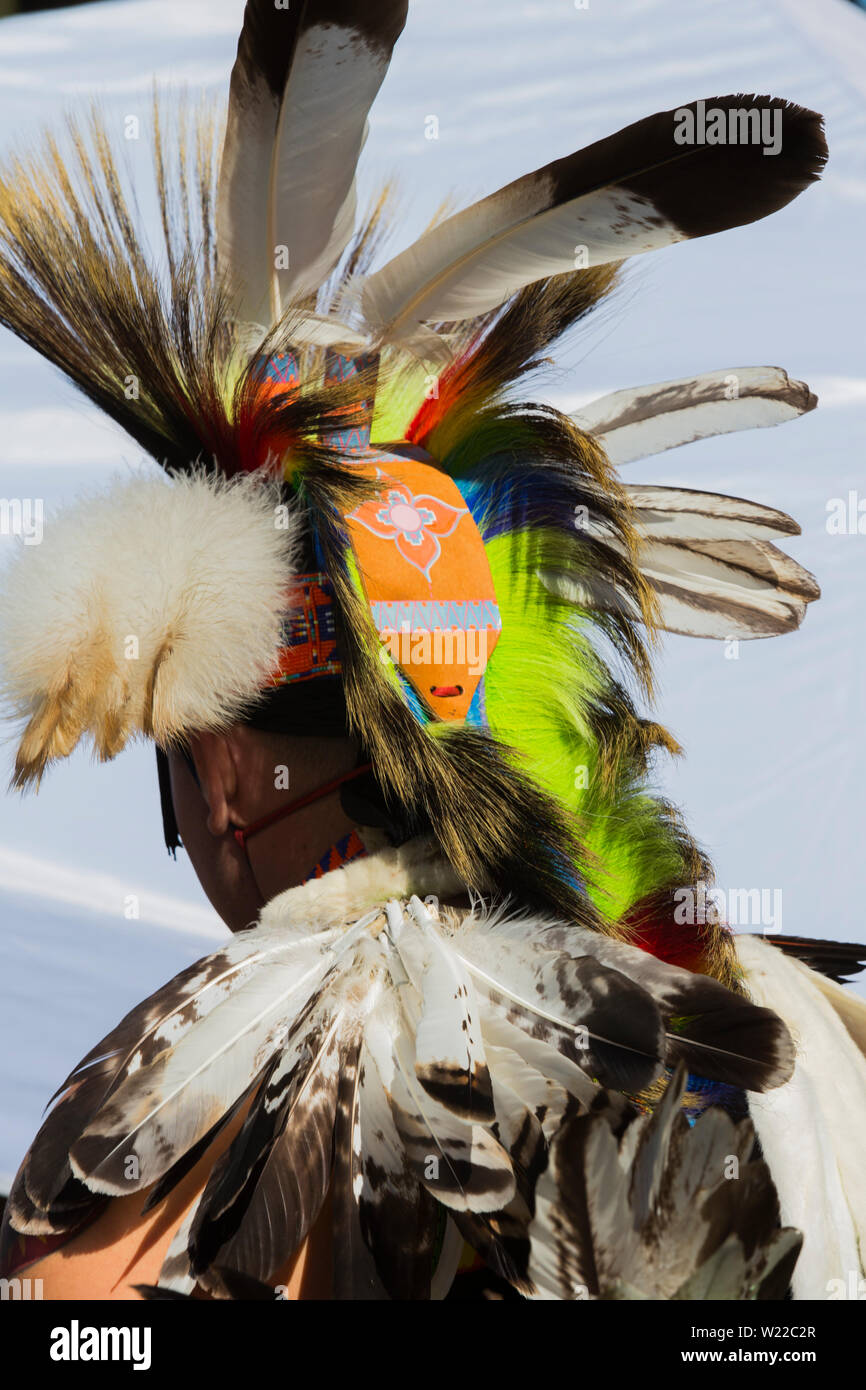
(415, 524)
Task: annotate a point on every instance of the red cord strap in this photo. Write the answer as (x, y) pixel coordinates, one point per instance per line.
(243, 835)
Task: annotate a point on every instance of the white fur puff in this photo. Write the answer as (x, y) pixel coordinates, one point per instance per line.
(152, 608)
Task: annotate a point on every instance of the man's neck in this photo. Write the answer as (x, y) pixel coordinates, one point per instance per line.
(286, 854)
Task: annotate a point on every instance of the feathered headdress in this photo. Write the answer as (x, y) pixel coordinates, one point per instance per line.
(485, 589)
(485, 532)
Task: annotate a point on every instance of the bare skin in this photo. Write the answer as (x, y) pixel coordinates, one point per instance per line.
(240, 781)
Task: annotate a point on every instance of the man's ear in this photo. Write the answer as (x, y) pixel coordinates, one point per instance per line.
(217, 775)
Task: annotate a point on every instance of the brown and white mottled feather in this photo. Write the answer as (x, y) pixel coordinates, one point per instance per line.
(644, 420)
(355, 1278)
(653, 1212)
(165, 1107)
(449, 1048)
(265, 1193)
(384, 1203)
(726, 590)
(706, 1025)
(324, 1036)
(600, 1020)
(461, 1163)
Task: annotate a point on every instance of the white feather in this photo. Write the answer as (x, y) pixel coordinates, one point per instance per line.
(321, 132)
(673, 513)
(813, 1129)
(286, 200)
(518, 1084)
(644, 420)
(449, 1048)
(849, 1007)
(475, 260)
(636, 191)
(702, 596)
(545, 1060)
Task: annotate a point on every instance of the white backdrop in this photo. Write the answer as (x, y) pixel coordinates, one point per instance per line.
(776, 755)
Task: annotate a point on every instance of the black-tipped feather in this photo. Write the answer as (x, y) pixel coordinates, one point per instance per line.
(838, 960)
(637, 190)
(153, 1293)
(301, 88)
